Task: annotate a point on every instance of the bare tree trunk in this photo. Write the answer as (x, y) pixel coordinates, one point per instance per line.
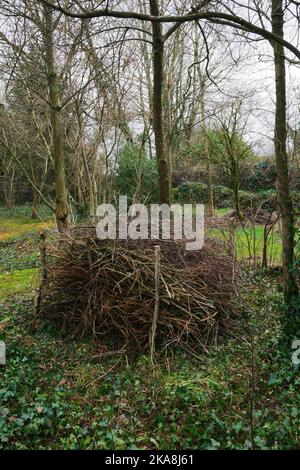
(9, 186)
(35, 202)
(164, 179)
(264, 263)
(61, 206)
(206, 152)
(236, 199)
(285, 203)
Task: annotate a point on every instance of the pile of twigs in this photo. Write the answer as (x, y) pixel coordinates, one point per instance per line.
(253, 215)
(109, 289)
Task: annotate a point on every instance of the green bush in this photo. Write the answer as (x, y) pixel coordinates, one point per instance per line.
(261, 199)
(262, 176)
(267, 199)
(247, 199)
(197, 193)
(296, 199)
(222, 196)
(191, 192)
(130, 159)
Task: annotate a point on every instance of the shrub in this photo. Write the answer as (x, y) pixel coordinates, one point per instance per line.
(222, 195)
(267, 199)
(191, 192)
(194, 192)
(262, 176)
(296, 199)
(247, 199)
(197, 193)
(131, 156)
(261, 199)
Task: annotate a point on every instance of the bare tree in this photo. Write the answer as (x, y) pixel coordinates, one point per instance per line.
(285, 203)
(227, 146)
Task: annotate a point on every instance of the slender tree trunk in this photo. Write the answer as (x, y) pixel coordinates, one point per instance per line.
(285, 203)
(88, 171)
(35, 202)
(207, 154)
(235, 186)
(265, 249)
(61, 207)
(236, 199)
(164, 177)
(9, 188)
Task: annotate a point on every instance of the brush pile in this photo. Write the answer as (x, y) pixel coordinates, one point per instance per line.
(253, 216)
(107, 289)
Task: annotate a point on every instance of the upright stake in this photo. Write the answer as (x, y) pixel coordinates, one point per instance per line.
(43, 279)
(157, 301)
(232, 246)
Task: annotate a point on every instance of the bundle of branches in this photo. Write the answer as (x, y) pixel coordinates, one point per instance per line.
(253, 215)
(108, 289)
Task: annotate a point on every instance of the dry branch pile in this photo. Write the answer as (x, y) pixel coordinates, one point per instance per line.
(107, 289)
(254, 216)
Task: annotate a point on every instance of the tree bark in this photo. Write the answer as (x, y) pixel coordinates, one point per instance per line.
(164, 177)
(285, 203)
(9, 189)
(236, 199)
(61, 203)
(210, 204)
(34, 209)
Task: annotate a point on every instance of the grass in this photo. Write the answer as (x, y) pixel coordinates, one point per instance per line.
(60, 393)
(19, 253)
(17, 282)
(222, 211)
(17, 222)
(249, 242)
(18, 256)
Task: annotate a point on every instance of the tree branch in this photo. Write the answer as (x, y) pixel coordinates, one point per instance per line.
(232, 20)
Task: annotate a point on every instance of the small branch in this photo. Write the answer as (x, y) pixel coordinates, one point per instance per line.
(43, 279)
(157, 302)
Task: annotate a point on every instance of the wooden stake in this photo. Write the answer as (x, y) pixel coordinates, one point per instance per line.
(157, 302)
(43, 279)
(232, 246)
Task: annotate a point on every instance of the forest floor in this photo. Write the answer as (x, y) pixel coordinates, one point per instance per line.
(60, 393)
